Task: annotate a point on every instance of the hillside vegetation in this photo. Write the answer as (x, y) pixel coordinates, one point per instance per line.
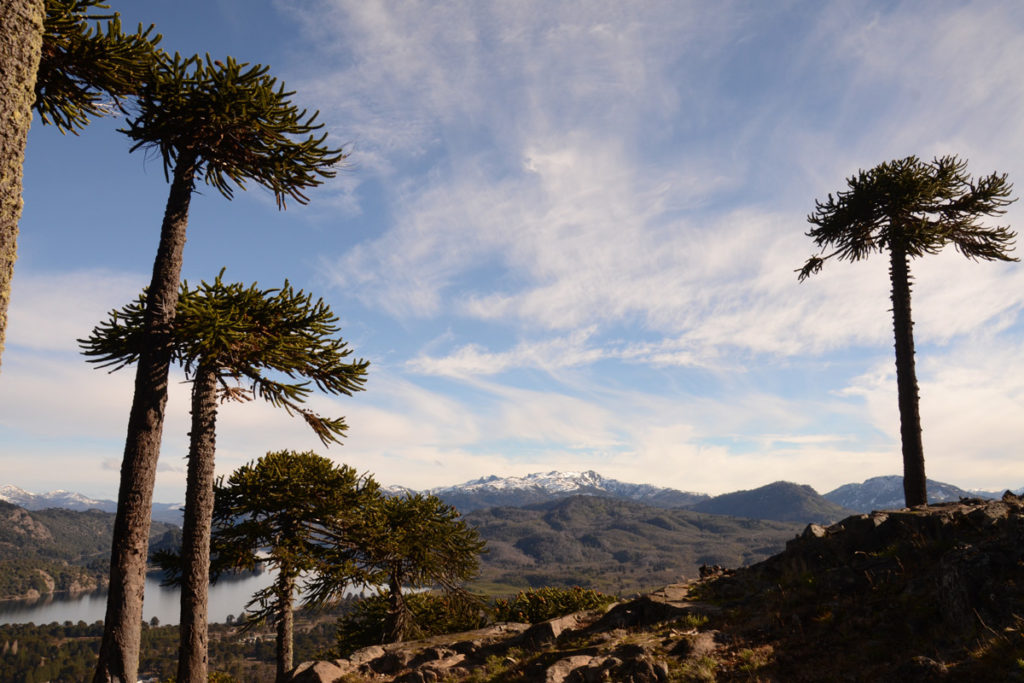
(615, 546)
(53, 550)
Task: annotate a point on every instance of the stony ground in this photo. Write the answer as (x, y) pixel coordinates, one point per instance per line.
(927, 594)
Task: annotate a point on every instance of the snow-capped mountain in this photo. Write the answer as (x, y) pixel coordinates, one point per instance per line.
(886, 493)
(877, 493)
(541, 487)
(53, 499)
(69, 500)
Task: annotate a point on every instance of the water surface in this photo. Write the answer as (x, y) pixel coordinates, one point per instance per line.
(227, 596)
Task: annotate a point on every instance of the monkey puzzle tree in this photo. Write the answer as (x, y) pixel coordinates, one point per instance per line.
(227, 123)
(296, 506)
(911, 208)
(414, 541)
(228, 337)
(56, 60)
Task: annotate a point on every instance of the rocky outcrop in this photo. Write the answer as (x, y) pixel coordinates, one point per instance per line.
(576, 648)
(19, 523)
(924, 594)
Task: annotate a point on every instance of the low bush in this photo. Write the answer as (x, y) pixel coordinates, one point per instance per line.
(432, 614)
(537, 605)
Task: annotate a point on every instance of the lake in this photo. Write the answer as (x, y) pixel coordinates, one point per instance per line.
(227, 596)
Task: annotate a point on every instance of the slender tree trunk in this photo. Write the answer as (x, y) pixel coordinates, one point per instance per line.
(193, 661)
(914, 483)
(398, 611)
(21, 45)
(285, 623)
(122, 627)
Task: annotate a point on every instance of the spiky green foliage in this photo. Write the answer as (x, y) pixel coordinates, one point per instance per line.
(83, 62)
(412, 542)
(235, 121)
(921, 205)
(247, 333)
(424, 542)
(432, 614)
(294, 506)
(536, 605)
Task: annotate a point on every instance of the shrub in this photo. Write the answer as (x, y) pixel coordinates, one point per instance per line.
(432, 614)
(537, 605)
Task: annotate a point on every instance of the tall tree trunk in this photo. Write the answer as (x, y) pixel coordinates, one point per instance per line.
(21, 45)
(914, 483)
(122, 627)
(285, 623)
(193, 661)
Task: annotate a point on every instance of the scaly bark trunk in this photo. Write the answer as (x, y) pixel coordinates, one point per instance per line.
(285, 624)
(914, 483)
(193, 661)
(21, 45)
(398, 610)
(122, 626)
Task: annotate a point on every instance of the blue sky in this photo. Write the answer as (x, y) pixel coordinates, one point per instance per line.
(565, 238)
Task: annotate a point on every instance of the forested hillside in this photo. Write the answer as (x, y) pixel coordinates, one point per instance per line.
(58, 550)
(614, 545)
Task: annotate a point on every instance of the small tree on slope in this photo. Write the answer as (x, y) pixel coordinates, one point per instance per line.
(412, 542)
(296, 505)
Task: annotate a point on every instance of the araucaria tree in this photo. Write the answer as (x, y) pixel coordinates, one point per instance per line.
(55, 59)
(294, 505)
(228, 337)
(911, 208)
(226, 123)
(414, 542)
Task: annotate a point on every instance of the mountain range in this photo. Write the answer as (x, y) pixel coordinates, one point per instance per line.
(778, 501)
(68, 500)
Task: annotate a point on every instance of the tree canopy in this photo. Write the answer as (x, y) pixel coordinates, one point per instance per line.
(86, 68)
(919, 206)
(413, 542)
(294, 505)
(276, 344)
(235, 121)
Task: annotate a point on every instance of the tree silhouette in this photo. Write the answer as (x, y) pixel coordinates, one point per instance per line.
(228, 337)
(295, 505)
(911, 208)
(56, 60)
(227, 123)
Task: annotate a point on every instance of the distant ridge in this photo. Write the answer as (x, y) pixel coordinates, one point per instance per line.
(542, 487)
(68, 500)
(886, 493)
(53, 499)
(777, 501)
(781, 501)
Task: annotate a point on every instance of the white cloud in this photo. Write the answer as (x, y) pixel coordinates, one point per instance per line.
(971, 398)
(50, 310)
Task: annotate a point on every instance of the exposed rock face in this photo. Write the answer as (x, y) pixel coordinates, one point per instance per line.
(926, 594)
(20, 523)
